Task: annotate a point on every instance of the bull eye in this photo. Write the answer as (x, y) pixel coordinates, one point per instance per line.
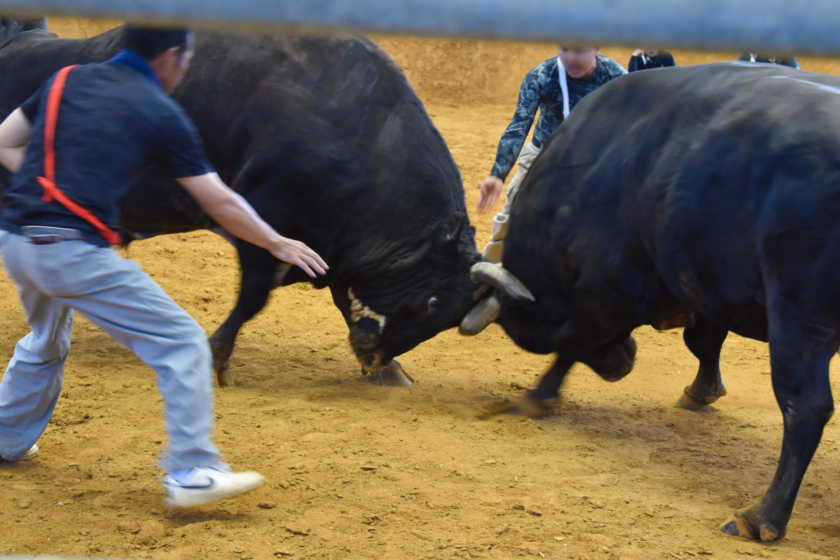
(432, 304)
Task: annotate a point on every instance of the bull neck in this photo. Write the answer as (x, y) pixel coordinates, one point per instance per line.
(133, 60)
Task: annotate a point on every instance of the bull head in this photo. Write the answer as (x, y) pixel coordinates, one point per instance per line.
(487, 310)
(423, 287)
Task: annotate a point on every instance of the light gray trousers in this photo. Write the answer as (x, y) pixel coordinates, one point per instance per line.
(118, 297)
(493, 250)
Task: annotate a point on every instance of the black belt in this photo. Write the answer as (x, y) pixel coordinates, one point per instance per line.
(537, 144)
(45, 239)
(45, 235)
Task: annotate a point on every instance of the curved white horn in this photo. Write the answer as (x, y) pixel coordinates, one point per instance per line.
(482, 315)
(482, 289)
(496, 276)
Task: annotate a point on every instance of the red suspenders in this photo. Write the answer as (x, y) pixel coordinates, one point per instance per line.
(51, 190)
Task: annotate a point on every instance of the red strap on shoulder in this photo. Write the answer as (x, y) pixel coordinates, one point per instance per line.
(51, 190)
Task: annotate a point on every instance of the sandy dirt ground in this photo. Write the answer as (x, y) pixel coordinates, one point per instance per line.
(360, 471)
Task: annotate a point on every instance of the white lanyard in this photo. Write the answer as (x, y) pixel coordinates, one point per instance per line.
(564, 87)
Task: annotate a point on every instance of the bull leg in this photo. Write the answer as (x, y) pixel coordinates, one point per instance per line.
(801, 385)
(258, 270)
(540, 401)
(545, 396)
(705, 341)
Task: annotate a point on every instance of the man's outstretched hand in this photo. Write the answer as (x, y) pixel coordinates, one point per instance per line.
(491, 188)
(299, 254)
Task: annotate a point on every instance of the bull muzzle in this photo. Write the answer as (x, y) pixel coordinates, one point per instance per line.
(364, 338)
(371, 363)
(366, 347)
(487, 310)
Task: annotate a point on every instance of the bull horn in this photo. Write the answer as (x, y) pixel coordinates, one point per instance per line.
(496, 276)
(482, 315)
(482, 289)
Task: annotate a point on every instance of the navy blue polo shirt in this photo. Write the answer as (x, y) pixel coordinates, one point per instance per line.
(114, 120)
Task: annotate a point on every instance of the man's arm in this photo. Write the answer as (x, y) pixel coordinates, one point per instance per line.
(517, 131)
(634, 63)
(233, 213)
(181, 147)
(15, 133)
(512, 141)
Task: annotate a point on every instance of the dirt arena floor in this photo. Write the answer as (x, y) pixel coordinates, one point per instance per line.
(360, 471)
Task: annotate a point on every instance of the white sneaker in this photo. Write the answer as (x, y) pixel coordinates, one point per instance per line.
(31, 454)
(206, 484)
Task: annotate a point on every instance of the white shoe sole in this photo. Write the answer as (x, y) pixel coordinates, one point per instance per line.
(31, 454)
(188, 497)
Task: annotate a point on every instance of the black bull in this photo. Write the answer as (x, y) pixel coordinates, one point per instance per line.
(327, 140)
(704, 196)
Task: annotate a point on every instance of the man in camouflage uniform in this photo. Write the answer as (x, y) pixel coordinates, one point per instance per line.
(554, 87)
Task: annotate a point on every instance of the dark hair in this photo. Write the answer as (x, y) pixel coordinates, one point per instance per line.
(150, 43)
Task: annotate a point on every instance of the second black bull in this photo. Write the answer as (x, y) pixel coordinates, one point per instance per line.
(713, 204)
(327, 140)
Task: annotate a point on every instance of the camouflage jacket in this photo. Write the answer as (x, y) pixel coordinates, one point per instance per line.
(541, 89)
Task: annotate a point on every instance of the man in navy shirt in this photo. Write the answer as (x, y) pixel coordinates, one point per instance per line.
(77, 146)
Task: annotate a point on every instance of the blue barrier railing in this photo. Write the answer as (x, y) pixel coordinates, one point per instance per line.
(744, 25)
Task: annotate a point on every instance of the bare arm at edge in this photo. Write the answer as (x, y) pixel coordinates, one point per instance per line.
(15, 133)
(233, 213)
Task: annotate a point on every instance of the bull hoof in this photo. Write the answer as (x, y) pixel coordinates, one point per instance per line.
(392, 375)
(225, 377)
(750, 524)
(525, 408)
(689, 401)
(221, 357)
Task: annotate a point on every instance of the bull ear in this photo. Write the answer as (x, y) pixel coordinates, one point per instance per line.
(452, 227)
